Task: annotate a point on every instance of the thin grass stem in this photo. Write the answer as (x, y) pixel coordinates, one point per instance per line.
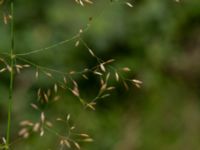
(10, 102)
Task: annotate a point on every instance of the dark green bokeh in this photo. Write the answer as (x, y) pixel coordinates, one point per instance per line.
(158, 40)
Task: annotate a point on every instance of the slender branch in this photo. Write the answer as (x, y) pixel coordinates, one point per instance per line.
(49, 47)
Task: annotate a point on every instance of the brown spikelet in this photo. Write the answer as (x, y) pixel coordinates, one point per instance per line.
(103, 88)
(102, 82)
(66, 142)
(41, 131)
(49, 124)
(48, 74)
(110, 61)
(56, 98)
(110, 88)
(36, 127)
(23, 132)
(77, 145)
(72, 72)
(91, 52)
(26, 123)
(34, 106)
(68, 117)
(3, 69)
(39, 93)
(4, 140)
(19, 66)
(77, 43)
(88, 1)
(18, 70)
(26, 66)
(88, 140)
(137, 81)
(42, 117)
(59, 119)
(107, 77)
(117, 76)
(65, 80)
(129, 4)
(91, 106)
(84, 135)
(49, 92)
(126, 85)
(9, 68)
(84, 76)
(98, 73)
(105, 95)
(75, 91)
(81, 2)
(46, 97)
(80, 31)
(5, 19)
(36, 74)
(102, 67)
(72, 128)
(61, 142)
(126, 69)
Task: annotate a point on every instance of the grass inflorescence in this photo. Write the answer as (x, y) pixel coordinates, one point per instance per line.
(13, 63)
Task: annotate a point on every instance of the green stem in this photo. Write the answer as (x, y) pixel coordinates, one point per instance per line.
(10, 103)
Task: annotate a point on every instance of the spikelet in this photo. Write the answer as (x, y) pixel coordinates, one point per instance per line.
(117, 76)
(129, 4)
(66, 142)
(77, 145)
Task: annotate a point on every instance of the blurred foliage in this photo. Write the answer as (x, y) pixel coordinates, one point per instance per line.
(158, 40)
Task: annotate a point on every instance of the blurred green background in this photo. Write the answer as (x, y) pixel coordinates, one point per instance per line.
(159, 40)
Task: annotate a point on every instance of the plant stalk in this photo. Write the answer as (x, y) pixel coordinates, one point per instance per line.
(10, 102)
